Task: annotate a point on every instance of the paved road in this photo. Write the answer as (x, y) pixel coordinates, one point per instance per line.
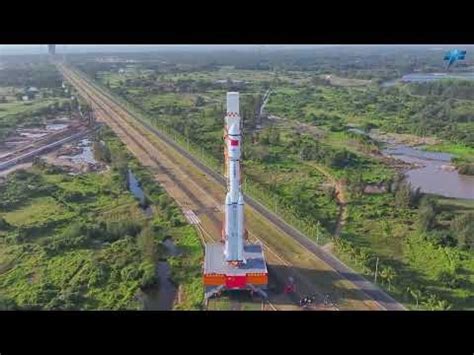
(371, 290)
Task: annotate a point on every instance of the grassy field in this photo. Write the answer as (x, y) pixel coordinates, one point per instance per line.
(27, 114)
(82, 242)
(281, 161)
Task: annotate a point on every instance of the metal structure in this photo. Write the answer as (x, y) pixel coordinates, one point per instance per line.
(52, 49)
(234, 264)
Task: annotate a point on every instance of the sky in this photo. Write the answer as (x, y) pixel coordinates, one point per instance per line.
(42, 49)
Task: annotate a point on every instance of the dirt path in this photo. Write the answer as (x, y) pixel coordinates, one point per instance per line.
(340, 194)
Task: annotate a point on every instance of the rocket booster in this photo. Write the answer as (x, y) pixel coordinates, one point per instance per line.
(234, 203)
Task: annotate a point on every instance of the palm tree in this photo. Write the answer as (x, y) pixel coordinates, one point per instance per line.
(388, 274)
(433, 303)
(416, 294)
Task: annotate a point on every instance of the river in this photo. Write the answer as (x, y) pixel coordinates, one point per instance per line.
(161, 296)
(135, 189)
(433, 173)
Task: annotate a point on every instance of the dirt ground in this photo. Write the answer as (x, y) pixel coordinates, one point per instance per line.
(77, 158)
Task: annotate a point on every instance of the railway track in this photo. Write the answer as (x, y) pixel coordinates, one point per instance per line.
(146, 149)
(21, 156)
(206, 202)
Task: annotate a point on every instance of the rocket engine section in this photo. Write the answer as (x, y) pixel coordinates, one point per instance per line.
(234, 230)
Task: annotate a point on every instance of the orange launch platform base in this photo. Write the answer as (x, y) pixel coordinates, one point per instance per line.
(220, 276)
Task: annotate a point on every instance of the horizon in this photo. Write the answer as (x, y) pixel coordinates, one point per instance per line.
(22, 49)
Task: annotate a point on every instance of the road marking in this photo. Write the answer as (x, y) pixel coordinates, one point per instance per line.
(191, 217)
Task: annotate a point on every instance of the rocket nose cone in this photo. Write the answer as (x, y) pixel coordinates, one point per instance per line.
(228, 199)
(241, 199)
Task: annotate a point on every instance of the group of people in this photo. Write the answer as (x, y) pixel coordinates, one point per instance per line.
(306, 301)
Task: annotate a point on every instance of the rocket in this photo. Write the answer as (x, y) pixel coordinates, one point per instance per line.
(234, 230)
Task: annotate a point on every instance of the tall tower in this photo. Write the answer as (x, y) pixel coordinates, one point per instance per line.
(52, 49)
(234, 264)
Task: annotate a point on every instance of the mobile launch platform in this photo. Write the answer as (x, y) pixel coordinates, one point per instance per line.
(234, 264)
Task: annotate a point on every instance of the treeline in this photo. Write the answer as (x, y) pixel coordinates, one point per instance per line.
(87, 259)
(109, 150)
(20, 187)
(38, 75)
(388, 276)
(448, 88)
(310, 149)
(262, 148)
(458, 233)
(436, 250)
(9, 122)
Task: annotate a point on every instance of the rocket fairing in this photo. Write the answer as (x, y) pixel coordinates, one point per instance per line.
(234, 229)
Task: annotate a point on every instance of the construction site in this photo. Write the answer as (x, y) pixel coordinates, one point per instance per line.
(21, 148)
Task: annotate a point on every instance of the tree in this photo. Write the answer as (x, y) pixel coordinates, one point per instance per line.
(434, 303)
(462, 228)
(199, 101)
(4, 225)
(388, 274)
(416, 294)
(356, 184)
(7, 304)
(386, 228)
(405, 196)
(147, 244)
(101, 151)
(427, 214)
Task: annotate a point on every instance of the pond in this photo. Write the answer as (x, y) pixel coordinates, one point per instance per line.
(162, 296)
(134, 187)
(433, 172)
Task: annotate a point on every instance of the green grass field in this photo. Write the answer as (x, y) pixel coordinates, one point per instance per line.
(284, 165)
(82, 242)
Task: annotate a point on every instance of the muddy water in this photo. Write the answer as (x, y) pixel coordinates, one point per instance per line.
(434, 172)
(162, 296)
(87, 155)
(134, 187)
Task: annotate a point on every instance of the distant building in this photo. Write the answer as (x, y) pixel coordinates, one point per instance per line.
(30, 93)
(51, 49)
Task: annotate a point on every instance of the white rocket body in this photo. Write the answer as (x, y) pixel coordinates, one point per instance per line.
(234, 203)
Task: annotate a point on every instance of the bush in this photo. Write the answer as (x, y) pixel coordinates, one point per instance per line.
(4, 225)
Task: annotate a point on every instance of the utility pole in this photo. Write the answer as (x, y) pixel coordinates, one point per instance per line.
(376, 269)
(317, 232)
